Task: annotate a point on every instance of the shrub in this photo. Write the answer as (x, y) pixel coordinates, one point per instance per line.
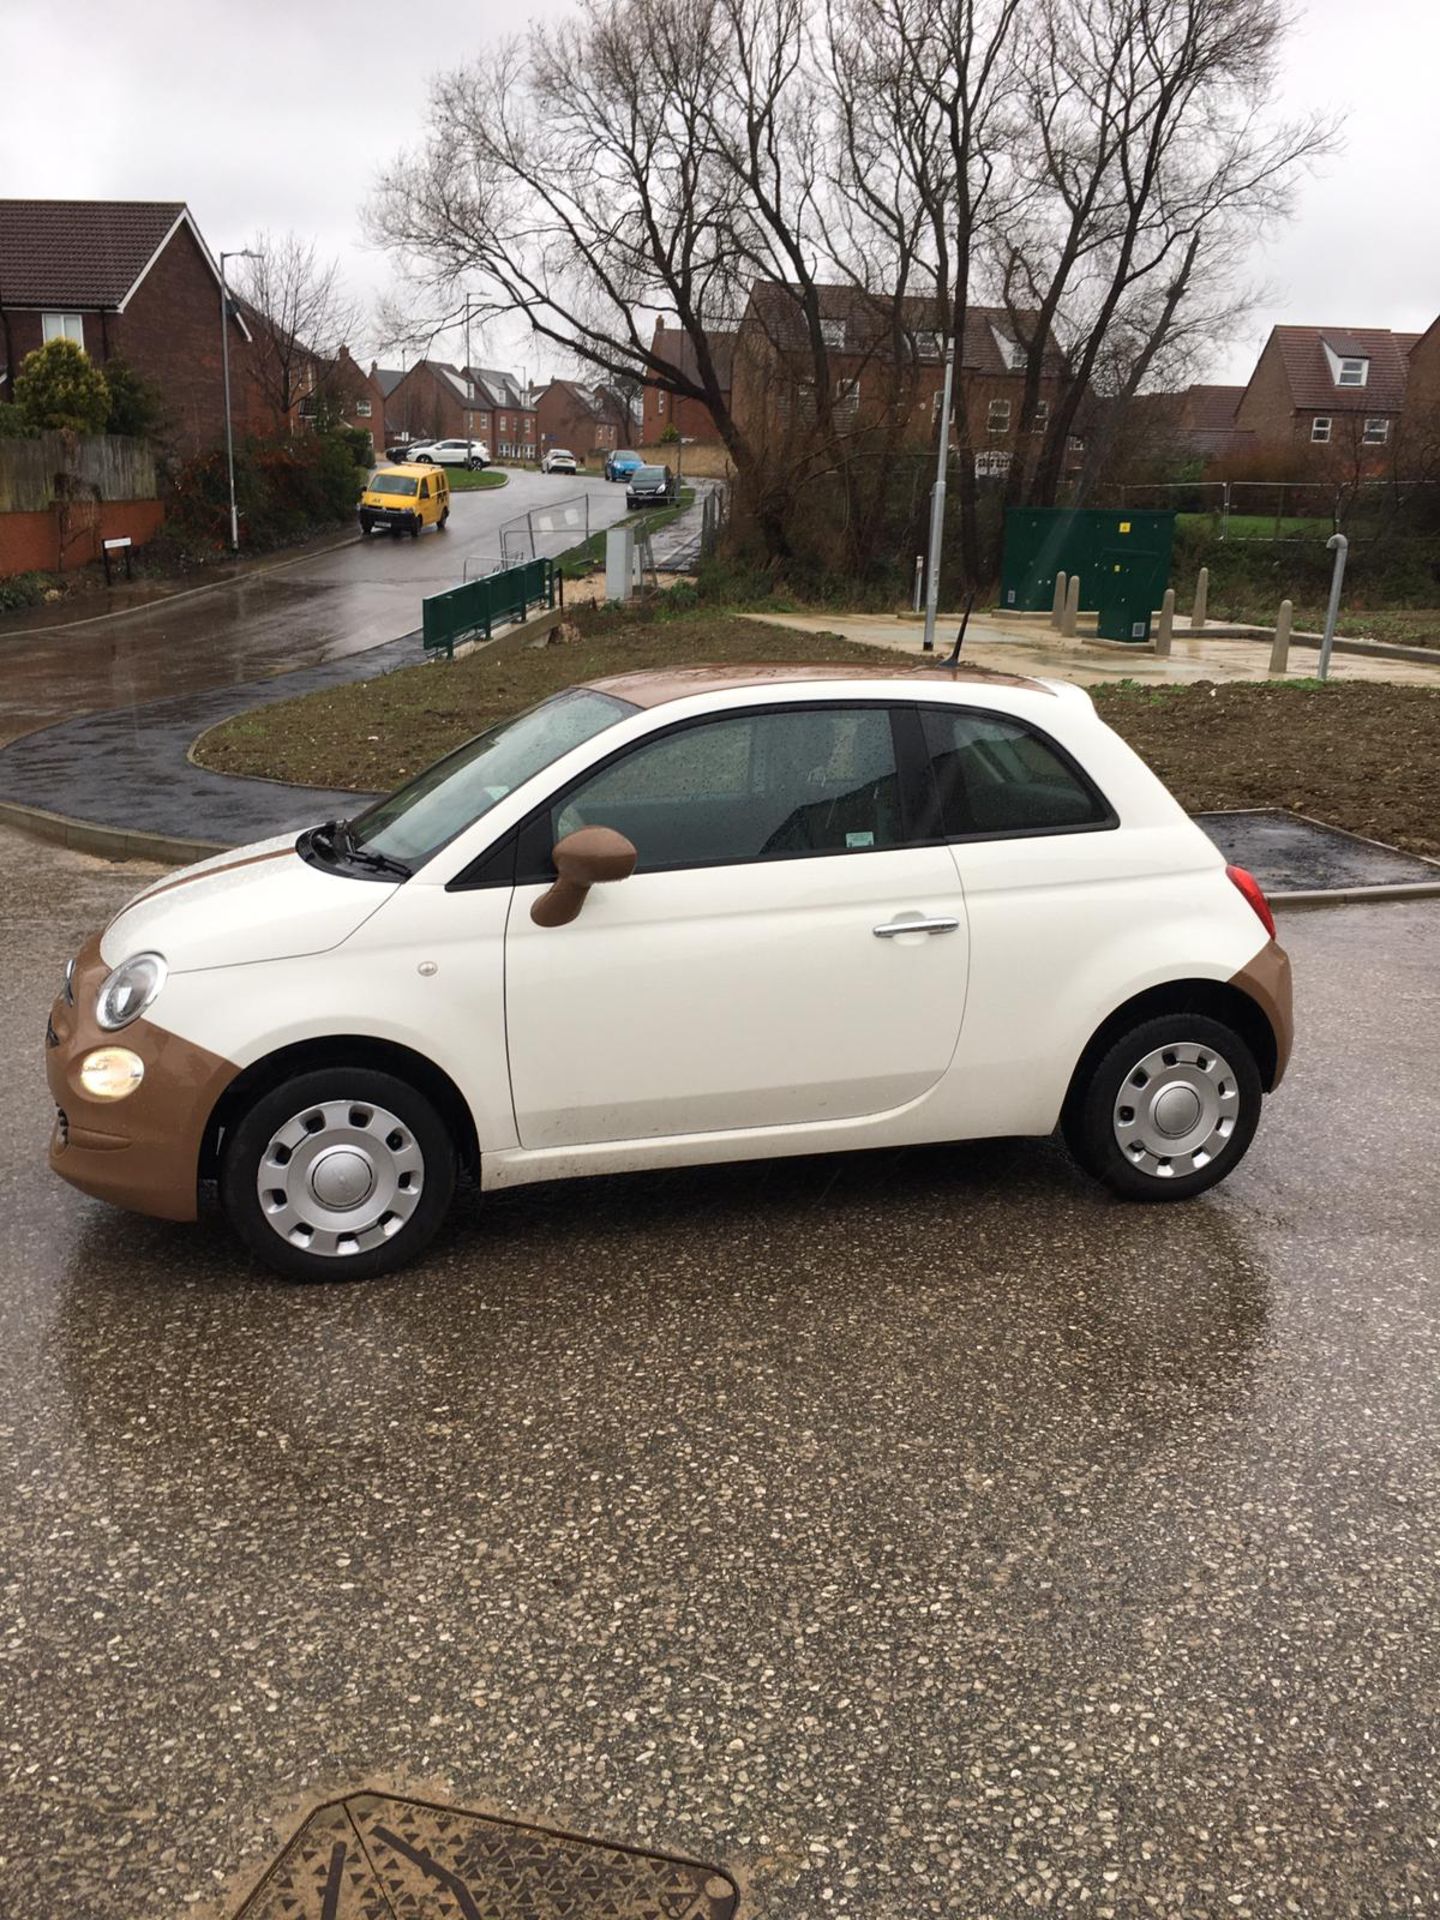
(136, 407)
(59, 386)
(23, 590)
(14, 425)
(285, 490)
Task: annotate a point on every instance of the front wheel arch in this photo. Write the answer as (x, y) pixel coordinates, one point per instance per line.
(343, 1050)
(1214, 999)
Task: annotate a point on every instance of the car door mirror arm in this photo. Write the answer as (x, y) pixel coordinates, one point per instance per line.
(589, 857)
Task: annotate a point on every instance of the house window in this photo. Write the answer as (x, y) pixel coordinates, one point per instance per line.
(362, 409)
(936, 401)
(660, 403)
(1353, 373)
(65, 326)
(1377, 431)
(832, 332)
(1320, 427)
(927, 345)
(847, 396)
(992, 466)
(1042, 416)
(997, 420)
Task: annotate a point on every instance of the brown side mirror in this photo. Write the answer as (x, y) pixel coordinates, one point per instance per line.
(586, 858)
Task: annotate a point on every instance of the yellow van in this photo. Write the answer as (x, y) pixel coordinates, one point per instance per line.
(405, 499)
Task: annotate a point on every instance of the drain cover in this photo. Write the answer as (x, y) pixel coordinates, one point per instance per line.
(1289, 854)
(373, 1857)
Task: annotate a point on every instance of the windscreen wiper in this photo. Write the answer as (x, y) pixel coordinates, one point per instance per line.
(341, 837)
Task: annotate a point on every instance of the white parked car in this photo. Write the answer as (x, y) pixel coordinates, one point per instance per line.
(716, 913)
(473, 454)
(557, 460)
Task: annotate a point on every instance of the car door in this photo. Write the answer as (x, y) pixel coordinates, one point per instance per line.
(785, 954)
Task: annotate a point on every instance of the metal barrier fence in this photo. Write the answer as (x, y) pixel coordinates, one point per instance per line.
(478, 606)
(550, 529)
(1277, 510)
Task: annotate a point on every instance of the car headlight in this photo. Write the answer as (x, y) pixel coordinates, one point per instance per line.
(129, 990)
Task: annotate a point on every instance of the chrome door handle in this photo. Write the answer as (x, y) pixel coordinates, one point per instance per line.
(888, 929)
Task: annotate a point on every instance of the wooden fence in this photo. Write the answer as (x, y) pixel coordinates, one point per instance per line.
(34, 474)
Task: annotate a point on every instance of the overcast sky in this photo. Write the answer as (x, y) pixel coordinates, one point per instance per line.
(269, 115)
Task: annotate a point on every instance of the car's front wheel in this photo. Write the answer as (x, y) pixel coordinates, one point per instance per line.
(339, 1174)
(1168, 1110)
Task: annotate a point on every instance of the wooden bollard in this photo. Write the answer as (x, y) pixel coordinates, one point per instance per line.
(1280, 645)
(1202, 595)
(1166, 629)
(1071, 613)
(1057, 610)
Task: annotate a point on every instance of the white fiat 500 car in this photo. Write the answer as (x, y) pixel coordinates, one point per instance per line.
(704, 914)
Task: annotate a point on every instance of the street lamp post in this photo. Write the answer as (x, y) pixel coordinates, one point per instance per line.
(937, 503)
(236, 253)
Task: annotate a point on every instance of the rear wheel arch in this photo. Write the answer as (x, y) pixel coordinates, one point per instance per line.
(344, 1050)
(1212, 999)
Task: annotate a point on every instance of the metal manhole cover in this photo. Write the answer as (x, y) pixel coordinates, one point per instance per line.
(1289, 854)
(375, 1857)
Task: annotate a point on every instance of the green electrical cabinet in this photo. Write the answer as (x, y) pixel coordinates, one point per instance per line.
(1122, 559)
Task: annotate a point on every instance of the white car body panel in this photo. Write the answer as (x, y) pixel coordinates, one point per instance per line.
(720, 1012)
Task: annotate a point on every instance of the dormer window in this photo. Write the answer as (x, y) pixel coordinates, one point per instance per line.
(832, 332)
(927, 345)
(1012, 354)
(1347, 369)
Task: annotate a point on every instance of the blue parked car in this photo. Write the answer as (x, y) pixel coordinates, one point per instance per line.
(620, 466)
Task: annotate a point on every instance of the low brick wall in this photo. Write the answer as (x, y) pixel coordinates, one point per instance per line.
(706, 460)
(65, 536)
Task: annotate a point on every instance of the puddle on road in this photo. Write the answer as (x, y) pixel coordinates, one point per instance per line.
(377, 1857)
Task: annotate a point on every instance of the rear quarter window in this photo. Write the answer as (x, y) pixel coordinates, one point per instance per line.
(996, 776)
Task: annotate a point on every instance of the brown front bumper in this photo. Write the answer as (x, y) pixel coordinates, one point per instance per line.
(142, 1152)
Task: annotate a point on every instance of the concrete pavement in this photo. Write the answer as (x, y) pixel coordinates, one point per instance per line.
(914, 1534)
(321, 608)
(1019, 646)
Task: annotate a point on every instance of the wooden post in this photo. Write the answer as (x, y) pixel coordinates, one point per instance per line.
(1071, 611)
(1166, 628)
(1280, 646)
(1202, 595)
(1057, 610)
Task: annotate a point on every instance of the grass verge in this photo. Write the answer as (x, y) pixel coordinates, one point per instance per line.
(463, 481)
(576, 562)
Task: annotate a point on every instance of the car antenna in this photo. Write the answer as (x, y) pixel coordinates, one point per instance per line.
(953, 658)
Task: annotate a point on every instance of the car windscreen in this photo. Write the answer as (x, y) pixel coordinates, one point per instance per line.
(404, 483)
(420, 818)
(648, 476)
(625, 453)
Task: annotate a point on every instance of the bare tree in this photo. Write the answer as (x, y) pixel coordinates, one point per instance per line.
(304, 314)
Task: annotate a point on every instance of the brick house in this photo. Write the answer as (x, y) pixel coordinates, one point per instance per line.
(516, 431)
(1422, 380)
(887, 364)
(1327, 391)
(1206, 421)
(691, 419)
(358, 397)
(129, 279)
(589, 420)
(434, 401)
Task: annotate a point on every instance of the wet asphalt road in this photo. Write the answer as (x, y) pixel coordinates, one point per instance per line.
(917, 1534)
(296, 615)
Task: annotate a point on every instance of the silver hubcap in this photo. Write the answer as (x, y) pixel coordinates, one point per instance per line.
(340, 1177)
(1176, 1109)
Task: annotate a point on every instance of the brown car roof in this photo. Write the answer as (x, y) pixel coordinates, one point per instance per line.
(656, 686)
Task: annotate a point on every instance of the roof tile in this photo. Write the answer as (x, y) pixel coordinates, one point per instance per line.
(78, 254)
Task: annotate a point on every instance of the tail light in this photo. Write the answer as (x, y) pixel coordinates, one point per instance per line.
(1250, 887)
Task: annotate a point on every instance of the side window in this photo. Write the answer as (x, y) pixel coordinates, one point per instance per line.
(995, 776)
(424, 489)
(753, 786)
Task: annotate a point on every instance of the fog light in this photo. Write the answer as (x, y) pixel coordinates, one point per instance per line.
(111, 1072)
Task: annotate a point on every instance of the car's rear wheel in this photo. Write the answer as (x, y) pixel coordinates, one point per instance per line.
(444, 516)
(339, 1174)
(1168, 1110)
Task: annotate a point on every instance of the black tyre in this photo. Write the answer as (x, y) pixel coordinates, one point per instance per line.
(1168, 1110)
(444, 518)
(414, 526)
(340, 1174)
